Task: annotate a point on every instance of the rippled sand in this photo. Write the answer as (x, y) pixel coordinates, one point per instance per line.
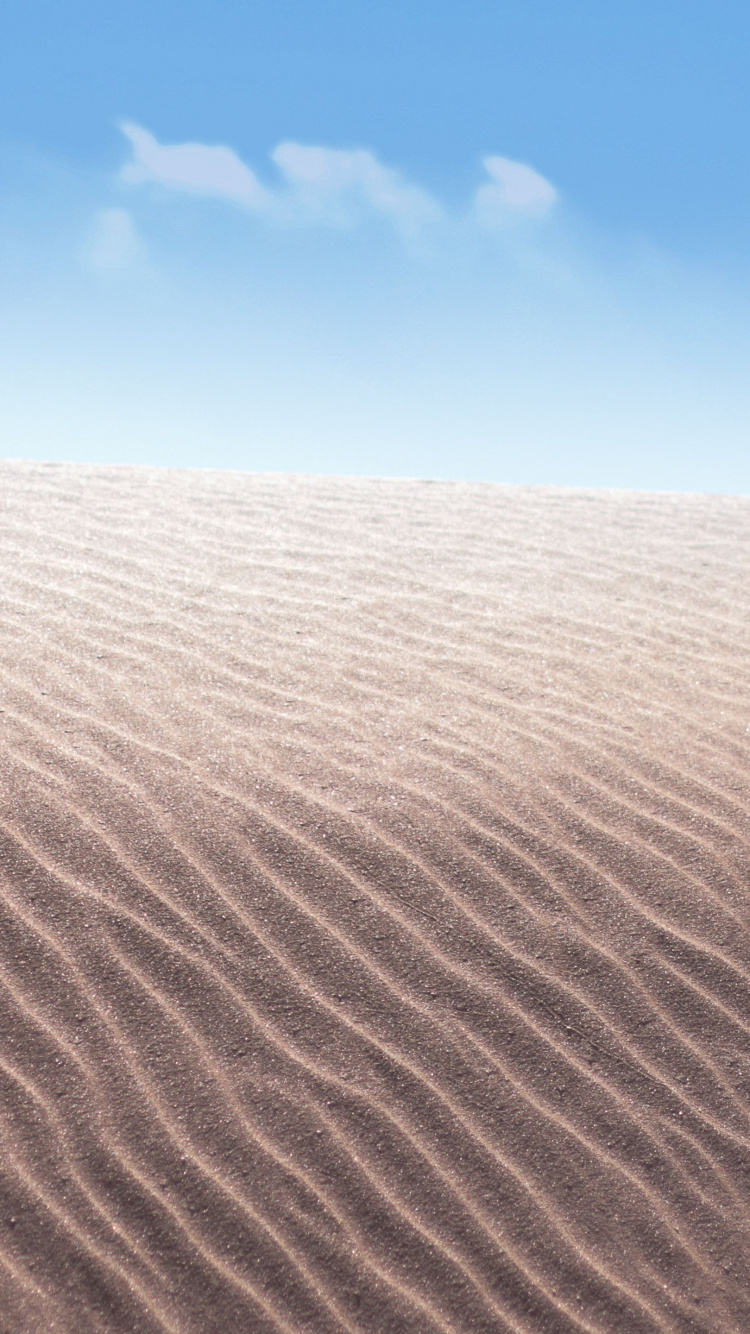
(374, 902)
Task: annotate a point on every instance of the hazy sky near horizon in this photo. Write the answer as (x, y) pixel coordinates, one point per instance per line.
(483, 240)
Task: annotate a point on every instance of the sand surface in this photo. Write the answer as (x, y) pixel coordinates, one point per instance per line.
(374, 905)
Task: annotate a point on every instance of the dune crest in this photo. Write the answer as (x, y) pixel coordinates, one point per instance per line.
(374, 904)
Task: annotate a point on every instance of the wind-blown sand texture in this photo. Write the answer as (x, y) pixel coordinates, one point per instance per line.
(374, 907)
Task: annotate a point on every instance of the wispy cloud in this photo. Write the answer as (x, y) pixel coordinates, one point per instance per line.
(514, 191)
(113, 242)
(335, 186)
(319, 185)
(329, 186)
(193, 168)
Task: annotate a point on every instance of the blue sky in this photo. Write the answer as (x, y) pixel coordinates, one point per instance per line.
(481, 241)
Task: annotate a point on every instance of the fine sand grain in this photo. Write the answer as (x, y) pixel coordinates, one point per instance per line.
(374, 906)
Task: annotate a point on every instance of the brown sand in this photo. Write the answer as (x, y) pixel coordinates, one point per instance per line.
(374, 907)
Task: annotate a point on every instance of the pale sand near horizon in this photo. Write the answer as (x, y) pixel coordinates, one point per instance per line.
(374, 904)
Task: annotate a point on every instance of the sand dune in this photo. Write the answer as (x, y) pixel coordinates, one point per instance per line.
(374, 903)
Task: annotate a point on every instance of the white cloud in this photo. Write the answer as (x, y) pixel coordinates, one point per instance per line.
(335, 185)
(195, 168)
(113, 242)
(320, 185)
(328, 186)
(515, 191)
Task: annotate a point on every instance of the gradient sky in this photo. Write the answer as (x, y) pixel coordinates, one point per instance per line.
(479, 240)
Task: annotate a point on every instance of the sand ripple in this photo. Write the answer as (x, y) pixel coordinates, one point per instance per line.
(374, 865)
